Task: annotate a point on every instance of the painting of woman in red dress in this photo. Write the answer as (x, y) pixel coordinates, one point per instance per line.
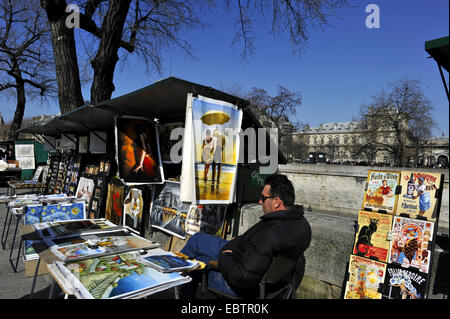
(137, 151)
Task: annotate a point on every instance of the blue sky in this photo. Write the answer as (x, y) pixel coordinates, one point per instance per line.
(342, 66)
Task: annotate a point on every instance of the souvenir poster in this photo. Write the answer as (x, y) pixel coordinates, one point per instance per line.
(167, 212)
(24, 150)
(89, 246)
(85, 189)
(115, 276)
(372, 237)
(366, 278)
(137, 153)
(417, 198)
(401, 283)
(114, 204)
(133, 209)
(411, 243)
(216, 125)
(26, 162)
(380, 194)
(168, 139)
(205, 218)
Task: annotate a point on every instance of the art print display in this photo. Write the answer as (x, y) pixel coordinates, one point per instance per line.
(366, 278)
(38, 214)
(116, 276)
(133, 209)
(418, 196)
(85, 189)
(168, 262)
(167, 212)
(71, 228)
(411, 243)
(89, 246)
(114, 203)
(213, 158)
(401, 283)
(205, 218)
(381, 191)
(372, 237)
(53, 212)
(137, 154)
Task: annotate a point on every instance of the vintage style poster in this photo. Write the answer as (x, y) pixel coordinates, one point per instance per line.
(366, 278)
(380, 194)
(205, 218)
(133, 209)
(372, 237)
(411, 243)
(115, 276)
(401, 283)
(168, 212)
(137, 151)
(216, 125)
(114, 203)
(418, 196)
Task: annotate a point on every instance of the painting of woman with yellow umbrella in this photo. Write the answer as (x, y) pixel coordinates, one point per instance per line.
(216, 125)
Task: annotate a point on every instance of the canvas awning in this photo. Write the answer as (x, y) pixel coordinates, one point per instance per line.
(438, 50)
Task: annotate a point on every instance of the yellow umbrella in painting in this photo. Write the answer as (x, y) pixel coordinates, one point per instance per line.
(215, 117)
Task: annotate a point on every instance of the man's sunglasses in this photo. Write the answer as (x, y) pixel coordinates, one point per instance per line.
(263, 198)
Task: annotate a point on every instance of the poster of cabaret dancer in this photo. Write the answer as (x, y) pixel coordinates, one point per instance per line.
(380, 193)
(167, 212)
(365, 280)
(371, 239)
(411, 243)
(137, 153)
(418, 196)
(215, 137)
(401, 283)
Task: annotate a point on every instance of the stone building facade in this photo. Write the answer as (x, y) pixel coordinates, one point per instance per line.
(339, 141)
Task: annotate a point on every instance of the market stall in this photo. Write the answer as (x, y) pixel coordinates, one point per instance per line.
(117, 157)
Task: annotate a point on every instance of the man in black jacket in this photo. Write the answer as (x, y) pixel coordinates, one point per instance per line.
(243, 261)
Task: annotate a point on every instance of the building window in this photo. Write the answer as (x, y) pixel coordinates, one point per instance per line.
(354, 140)
(337, 140)
(322, 140)
(315, 140)
(345, 140)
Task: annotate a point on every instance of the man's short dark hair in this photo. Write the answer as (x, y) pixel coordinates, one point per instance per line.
(281, 187)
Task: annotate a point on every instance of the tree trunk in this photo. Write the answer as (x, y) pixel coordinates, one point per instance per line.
(20, 110)
(106, 58)
(64, 50)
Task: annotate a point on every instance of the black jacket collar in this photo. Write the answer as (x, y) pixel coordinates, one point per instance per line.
(295, 212)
